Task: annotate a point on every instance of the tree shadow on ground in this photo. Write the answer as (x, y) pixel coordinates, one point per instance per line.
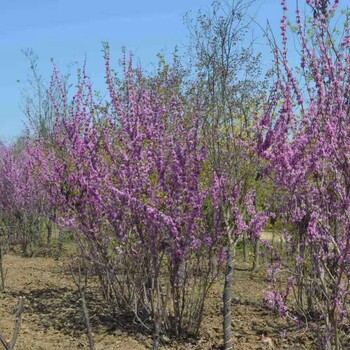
(61, 309)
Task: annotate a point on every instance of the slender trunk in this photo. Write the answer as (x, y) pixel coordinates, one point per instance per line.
(335, 332)
(227, 296)
(49, 233)
(326, 343)
(17, 323)
(87, 319)
(155, 305)
(256, 254)
(60, 244)
(11, 345)
(156, 333)
(334, 314)
(82, 288)
(2, 274)
(273, 242)
(245, 248)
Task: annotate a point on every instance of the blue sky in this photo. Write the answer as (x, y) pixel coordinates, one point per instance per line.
(70, 30)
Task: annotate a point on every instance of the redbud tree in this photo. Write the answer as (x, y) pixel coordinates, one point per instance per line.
(21, 201)
(305, 139)
(126, 179)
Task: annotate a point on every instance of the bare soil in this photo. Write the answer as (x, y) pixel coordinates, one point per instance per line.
(53, 318)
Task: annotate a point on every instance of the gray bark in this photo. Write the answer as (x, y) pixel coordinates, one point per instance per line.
(227, 296)
(256, 255)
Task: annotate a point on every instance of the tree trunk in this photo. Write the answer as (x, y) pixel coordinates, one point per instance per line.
(2, 274)
(156, 335)
(61, 237)
(87, 319)
(11, 345)
(49, 232)
(245, 248)
(256, 254)
(227, 296)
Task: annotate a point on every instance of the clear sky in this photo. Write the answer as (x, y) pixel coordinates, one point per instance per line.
(70, 30)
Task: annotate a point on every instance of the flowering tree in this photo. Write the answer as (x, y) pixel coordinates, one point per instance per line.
(228, 86)
(21, 202)
(305, 138)
(126, 178)
(236, 213)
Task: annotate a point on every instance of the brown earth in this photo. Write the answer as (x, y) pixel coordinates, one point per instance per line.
(53, 319)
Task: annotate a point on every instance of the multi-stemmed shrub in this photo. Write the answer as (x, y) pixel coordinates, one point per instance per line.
(305, 139)
(126, 180)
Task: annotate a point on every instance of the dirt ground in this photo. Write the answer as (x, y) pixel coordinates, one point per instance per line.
(53, 319)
